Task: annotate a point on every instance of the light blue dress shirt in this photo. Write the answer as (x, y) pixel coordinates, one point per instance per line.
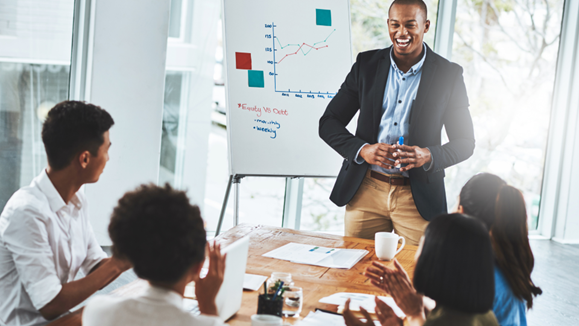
(399, 95)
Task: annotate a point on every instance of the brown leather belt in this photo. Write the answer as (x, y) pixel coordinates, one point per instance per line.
(393, 181)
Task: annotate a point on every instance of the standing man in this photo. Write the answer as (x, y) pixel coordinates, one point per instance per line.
(405, 90)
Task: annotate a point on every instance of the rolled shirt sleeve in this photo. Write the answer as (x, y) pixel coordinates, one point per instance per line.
(27, 240)
(358, 159)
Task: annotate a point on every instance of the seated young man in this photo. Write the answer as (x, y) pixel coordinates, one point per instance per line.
(162, 235)
(45, 235)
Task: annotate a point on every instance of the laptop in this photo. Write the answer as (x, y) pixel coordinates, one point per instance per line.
(229, 297)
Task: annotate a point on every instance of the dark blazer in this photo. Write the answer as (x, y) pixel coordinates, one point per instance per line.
(441, 100)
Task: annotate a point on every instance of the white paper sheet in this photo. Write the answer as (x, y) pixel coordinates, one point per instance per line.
(253, 282)
(316, 255)
(358, 300)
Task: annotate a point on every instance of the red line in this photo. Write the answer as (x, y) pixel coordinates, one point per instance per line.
(298, 50)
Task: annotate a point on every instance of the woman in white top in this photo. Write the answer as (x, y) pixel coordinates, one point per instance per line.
(162, 235)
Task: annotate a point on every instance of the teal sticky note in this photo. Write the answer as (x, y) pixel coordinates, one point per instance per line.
(323, 17)
(255, 78)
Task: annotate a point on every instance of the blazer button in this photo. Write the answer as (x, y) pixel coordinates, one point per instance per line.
(399, 101)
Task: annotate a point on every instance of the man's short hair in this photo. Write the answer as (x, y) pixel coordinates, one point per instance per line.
(411, 2)
(72, 127)
(159, 232)
(456, 267)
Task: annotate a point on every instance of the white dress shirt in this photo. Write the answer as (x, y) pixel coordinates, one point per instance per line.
(43, 244)
(157, 306)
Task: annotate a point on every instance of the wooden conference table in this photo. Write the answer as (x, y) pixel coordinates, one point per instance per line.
(317, 282)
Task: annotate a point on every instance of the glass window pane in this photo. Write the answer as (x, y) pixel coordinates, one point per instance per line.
(34, 76)
(318, 212)
(173, 115)
(509, 52)
(370, 29)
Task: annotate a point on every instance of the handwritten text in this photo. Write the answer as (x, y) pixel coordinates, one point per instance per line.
(270, 127)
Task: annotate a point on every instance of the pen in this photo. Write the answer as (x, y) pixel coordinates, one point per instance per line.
(328, 311)
(276, 291)
(400, 142)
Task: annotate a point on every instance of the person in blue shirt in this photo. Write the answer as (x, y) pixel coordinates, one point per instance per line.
(502, 209)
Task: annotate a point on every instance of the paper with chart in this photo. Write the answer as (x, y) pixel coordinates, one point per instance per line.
(285, 61)
(316, 255)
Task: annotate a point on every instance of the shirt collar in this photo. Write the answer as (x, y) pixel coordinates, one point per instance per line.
(166, 295)
(55, 201)
(414, 69)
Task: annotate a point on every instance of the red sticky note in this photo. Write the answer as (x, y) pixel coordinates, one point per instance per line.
(243, 60)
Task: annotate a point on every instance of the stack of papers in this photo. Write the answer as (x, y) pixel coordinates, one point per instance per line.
(320, 318)
(358, 300)
(319, 256)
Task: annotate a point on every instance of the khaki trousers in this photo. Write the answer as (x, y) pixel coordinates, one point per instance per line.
(382, 207)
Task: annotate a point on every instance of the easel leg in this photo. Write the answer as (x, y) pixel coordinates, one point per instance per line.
(224, 206)
(236, 181)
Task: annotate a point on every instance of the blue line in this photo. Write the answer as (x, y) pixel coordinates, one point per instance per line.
(273, 40)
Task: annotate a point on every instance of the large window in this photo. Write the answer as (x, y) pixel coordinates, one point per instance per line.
(508, 50)
(34, 75)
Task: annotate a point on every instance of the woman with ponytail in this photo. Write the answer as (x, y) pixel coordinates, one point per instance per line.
(502, 209)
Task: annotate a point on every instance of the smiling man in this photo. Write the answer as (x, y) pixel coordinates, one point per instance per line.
(45, 235)
(407, 93)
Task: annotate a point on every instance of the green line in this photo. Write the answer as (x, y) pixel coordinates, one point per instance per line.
(282, 47)
(326, 37)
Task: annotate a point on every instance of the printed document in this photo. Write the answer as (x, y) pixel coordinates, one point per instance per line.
(319, 256)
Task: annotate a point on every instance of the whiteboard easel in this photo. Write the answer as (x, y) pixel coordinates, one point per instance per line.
(284, 62)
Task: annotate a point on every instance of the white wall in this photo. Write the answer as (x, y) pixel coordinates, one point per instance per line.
(127, 75)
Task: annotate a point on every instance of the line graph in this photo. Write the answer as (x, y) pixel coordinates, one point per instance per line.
(305, 53)
(300, 49)
(301, 46)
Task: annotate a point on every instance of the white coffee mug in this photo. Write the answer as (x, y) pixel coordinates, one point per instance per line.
(266, 320)
(386, 243)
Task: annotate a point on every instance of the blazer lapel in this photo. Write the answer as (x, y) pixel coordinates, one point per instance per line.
(379, 87)
(428, 73)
